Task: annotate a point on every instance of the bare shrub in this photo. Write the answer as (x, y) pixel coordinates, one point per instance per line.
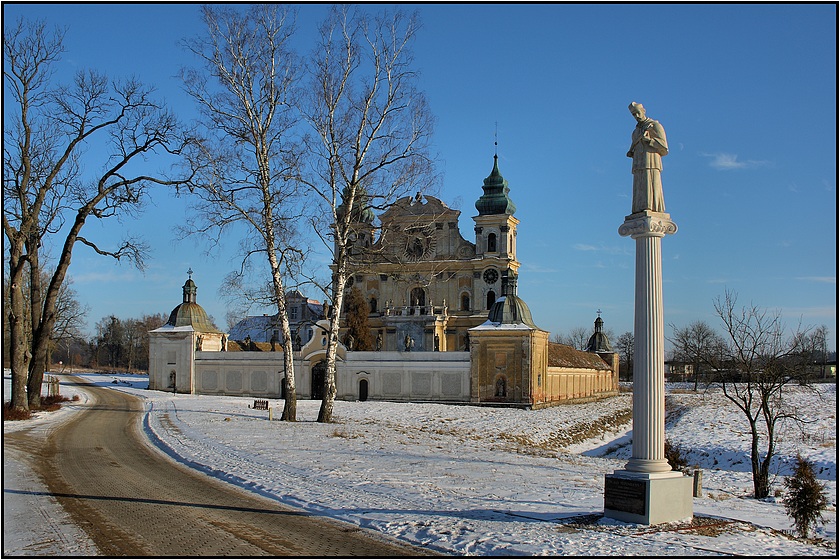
(675, 455)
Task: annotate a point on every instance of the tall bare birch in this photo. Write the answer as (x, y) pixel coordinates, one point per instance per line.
(244, 148)
(371, 130)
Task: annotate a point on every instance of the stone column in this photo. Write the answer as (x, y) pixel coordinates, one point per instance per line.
(648, 228)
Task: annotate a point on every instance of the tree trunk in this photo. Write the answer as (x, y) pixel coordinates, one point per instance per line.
(42, 331)
(36, 308)
(290, 403)
(696, 375)
(763, 489)
(325, 414)
(37, 367)
(17, 335)
(760, 476)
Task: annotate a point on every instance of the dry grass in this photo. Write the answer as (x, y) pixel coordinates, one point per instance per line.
(10, 413)
(48, 404)
(577, 433)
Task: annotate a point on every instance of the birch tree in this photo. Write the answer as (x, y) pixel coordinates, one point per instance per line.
(51, 187)
(244, 148)
(371, 128)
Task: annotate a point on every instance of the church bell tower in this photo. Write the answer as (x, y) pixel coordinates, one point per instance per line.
(495, 225)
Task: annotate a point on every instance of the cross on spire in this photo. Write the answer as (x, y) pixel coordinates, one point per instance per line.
(190, 272)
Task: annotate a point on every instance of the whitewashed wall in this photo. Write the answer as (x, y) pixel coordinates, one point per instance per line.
(416, 376)
(238, 373)
(427, 376)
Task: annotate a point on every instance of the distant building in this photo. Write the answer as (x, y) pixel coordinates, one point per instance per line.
(303, 314)
(676, 370)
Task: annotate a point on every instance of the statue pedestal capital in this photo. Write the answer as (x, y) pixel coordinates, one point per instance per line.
(647, 224)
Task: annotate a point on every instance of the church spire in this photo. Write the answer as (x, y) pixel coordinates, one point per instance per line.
(495, 199)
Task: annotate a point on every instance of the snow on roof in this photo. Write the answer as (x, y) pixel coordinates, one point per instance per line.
(169, 328)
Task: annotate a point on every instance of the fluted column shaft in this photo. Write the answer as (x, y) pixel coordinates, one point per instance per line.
(648, 229)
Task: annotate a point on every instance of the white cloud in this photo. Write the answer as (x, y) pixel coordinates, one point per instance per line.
(613, 250)
(726, 162)
(820, 279)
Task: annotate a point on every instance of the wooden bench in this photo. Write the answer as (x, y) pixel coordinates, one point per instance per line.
(261, 404)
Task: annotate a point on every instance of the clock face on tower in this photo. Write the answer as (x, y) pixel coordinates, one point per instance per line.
(491, 275)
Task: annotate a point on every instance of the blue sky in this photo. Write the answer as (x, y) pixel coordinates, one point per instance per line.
(746, 92)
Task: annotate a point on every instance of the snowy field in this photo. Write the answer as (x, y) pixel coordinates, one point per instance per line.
(492, 482)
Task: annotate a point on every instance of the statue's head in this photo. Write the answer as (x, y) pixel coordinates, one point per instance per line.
(637, 110)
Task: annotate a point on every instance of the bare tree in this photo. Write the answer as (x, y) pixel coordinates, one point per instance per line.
(625, 346)
(246, 156)
(124, 343)
(818, 343)
(756, 367)
(46, 193)
(576, 338)
(692, 344)
(371, 129)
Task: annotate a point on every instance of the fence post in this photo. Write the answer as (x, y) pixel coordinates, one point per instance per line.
(698, 483)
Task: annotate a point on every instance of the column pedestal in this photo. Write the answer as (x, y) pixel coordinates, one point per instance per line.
(648, 498)
(647, 491)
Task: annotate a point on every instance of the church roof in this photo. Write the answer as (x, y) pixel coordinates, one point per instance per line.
(189, 313)
(495, 199)
(511, 310)
(561, 355)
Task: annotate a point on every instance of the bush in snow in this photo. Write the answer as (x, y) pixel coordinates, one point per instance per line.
(674, 454)
(805, 500)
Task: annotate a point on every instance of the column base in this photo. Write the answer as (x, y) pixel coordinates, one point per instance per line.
(643, 466)
(648, 498)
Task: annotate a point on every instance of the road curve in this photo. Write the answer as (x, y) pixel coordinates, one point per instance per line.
(133, 501)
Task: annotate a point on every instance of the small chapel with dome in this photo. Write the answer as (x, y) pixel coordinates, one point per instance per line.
(444, 311)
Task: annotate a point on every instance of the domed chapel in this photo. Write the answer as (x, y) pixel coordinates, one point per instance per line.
(444, 311)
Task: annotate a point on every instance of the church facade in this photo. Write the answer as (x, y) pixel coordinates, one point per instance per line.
(444, 310)
(424, 281)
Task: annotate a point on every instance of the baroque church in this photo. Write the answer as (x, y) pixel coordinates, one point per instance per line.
(424, 281)
(444, 311)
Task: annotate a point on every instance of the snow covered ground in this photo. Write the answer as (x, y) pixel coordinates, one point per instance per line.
(488, 481)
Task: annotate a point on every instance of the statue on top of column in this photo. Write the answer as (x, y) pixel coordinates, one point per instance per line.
(647, 148)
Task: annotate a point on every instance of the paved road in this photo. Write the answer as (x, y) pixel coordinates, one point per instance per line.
(132, 501)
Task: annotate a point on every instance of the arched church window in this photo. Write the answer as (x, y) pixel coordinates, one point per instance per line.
(491, 299)
(491, 243)
(465, 302)
(372, 304)
(418, 297)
